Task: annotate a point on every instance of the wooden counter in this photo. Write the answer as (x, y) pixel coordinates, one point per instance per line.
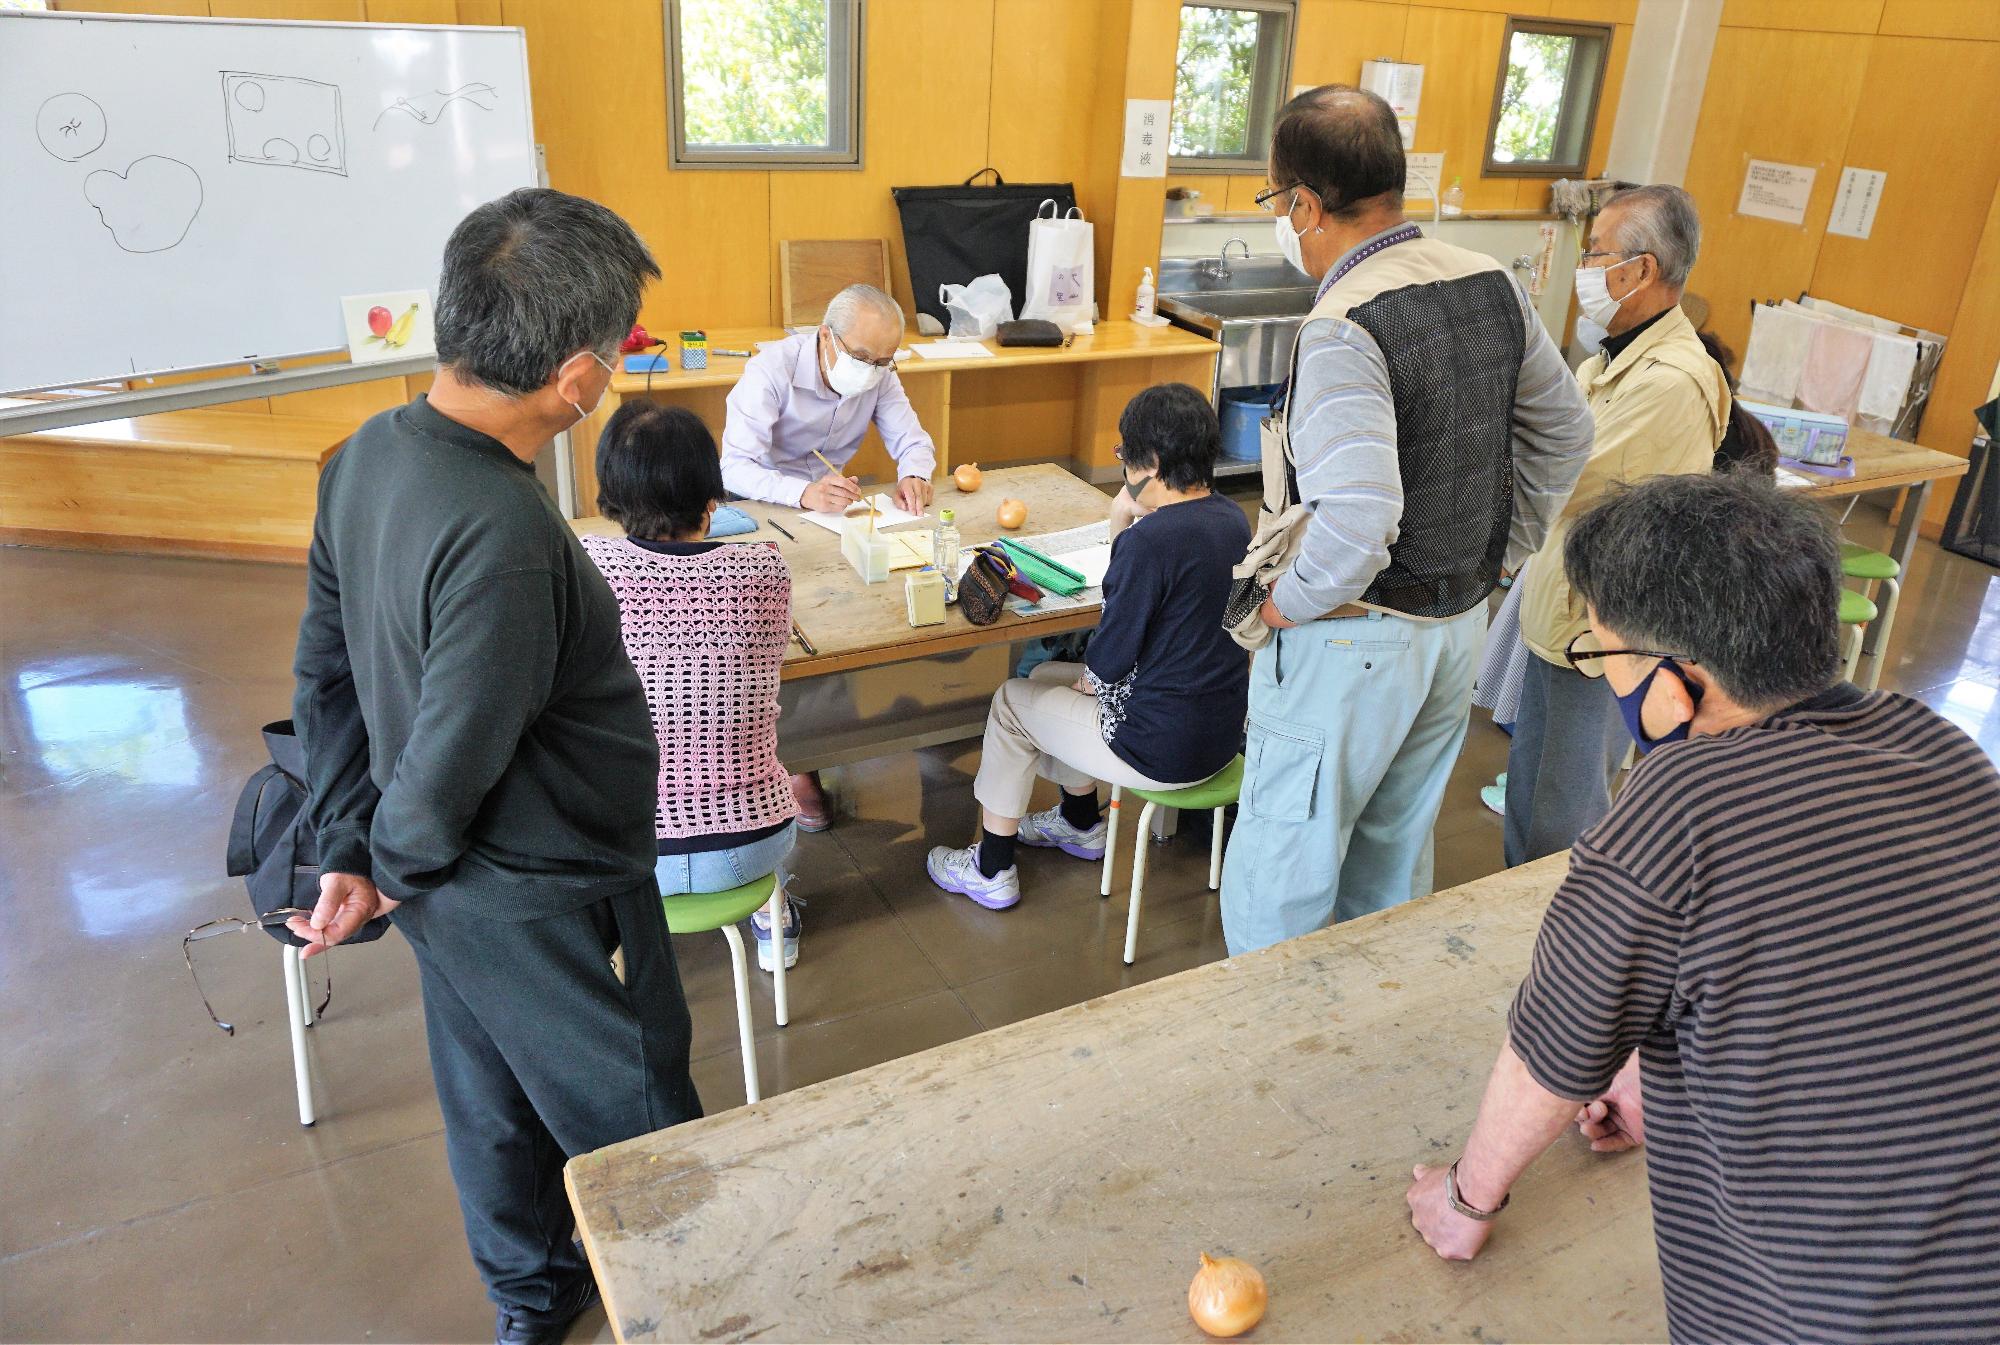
(1056, 1179)
(1024, 404)
(1882, 463)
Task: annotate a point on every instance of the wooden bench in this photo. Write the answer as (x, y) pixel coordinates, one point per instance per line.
(208, 483)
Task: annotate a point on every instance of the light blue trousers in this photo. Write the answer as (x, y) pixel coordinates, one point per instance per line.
(1355, 724)
(722, 870)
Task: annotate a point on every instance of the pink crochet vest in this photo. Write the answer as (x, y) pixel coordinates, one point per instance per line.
(706, 634)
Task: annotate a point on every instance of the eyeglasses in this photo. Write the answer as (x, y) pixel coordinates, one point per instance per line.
(888, 362)
(231, 924)
(1262, 200)
(1578, 657)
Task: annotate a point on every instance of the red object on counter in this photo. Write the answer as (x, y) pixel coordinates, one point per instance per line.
(635, 340)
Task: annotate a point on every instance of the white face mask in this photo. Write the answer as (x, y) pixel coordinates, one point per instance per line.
(581, 414)
(1593, 295)
(1589, 336)
(848, 376)
(1288, 237)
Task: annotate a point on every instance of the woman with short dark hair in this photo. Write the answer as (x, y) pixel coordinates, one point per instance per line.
(705, 624)
(1158, 702)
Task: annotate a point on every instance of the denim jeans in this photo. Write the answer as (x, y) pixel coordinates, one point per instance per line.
(1355, 723)
(721, 870)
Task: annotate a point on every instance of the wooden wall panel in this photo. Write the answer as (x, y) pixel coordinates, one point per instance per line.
(1772, 94)
(1045, 71)
(185, 9)
(1152, 37)
(1502, 7)
(1595, 11)
(1978, 19)
(1336, 36)
(480, 11)
(413, 11)
(343, 11)
(1460, 52)
(1820, 16)
(1935, 202)
(929, 73)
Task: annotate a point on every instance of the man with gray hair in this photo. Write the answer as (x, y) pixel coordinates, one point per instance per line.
(480, 762)
(815, 395)
(1661, 404)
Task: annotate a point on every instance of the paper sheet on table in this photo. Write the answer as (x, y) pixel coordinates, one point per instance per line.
(953, 350)
(887, 515)
(1790, 480)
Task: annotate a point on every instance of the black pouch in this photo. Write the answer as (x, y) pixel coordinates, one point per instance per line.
(1031, 332)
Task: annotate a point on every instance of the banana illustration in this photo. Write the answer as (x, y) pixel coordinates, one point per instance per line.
(398, 335)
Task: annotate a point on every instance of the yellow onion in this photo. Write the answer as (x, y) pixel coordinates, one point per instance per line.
(1227, 1297)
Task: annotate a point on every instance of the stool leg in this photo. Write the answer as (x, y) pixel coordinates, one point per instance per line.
(1110, 843)
(295, 1018)
(740, 968)
(306, 990)
(1138, 883)
(777, 910)
(1890, 591)
(1215, 854)
(1851, 657)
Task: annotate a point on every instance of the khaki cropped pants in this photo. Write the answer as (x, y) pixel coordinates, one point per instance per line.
(1041, 725)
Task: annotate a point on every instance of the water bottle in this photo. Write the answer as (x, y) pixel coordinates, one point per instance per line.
(944, 554)
(1454, 199)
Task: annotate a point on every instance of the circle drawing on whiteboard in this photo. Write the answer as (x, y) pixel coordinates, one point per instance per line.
(279, 150)
(149, 206)
(70, 126)
(250, 96)
(320, 148)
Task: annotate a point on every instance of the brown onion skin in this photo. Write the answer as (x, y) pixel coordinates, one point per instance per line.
(1227, 1296)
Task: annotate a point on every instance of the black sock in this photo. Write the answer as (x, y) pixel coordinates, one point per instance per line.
(1080, 810)
(995, 854)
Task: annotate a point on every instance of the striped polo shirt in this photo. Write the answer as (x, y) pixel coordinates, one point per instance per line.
(1797, 924)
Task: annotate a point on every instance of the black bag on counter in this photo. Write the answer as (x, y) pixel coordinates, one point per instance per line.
(1030, 332)
(951, 235)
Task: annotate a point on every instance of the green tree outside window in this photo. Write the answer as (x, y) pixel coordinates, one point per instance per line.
(754, 72)
(1213, 81)
(1538, 70)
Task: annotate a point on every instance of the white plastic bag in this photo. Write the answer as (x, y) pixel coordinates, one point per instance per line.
(1062, 268)
(978, 309)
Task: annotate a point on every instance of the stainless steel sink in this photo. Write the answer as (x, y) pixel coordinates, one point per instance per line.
(1255, 328)
(1207, 275)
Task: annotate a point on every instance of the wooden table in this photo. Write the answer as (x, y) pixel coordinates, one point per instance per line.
(1056, 1179)
(857, 625)
(1891, 465)
(1006, 409)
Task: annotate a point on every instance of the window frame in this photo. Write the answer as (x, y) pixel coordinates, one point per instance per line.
(846, 81)
(1266, 84)
(1574, 105)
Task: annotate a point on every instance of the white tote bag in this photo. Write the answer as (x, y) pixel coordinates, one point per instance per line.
(1062, 269)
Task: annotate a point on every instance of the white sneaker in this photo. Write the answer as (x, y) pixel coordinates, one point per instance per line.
(958, 871)
(1051, 830)
(760, 925)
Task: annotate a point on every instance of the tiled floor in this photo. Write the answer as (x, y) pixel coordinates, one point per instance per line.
(157, 1184)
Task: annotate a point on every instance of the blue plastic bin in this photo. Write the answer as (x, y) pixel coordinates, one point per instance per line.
(1242, 409)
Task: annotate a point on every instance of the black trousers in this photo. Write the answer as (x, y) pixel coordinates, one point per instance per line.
(541, 1054)
(1569, 740)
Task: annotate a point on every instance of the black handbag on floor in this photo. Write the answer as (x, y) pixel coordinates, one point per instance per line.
(271, 848)
(952, 235)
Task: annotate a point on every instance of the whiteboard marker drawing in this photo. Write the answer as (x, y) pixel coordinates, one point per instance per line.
(150, 206)
(426, 108)
(70, 126)
(284, 121)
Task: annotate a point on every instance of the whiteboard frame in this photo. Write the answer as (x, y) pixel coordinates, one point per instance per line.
(252, 361)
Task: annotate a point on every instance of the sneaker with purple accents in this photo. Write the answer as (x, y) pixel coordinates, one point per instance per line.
(1051, 830)
(958, 871)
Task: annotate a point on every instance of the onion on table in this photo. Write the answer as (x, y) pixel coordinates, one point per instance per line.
(1227, 1297)
(1011, 514)
(967, 478)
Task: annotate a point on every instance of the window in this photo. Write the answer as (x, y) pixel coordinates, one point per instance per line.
(1545, 97)
(765, 83)
(1229, 82)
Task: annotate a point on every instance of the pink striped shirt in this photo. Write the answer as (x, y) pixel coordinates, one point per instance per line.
(707, 633)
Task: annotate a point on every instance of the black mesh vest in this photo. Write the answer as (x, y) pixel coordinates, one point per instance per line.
(1454, 350)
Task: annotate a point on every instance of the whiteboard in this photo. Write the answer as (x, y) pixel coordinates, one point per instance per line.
(179, 194)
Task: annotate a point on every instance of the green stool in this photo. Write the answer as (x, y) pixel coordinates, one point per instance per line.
(1880, 569)
(1856, 611)
(700, 912)
(1217, 792)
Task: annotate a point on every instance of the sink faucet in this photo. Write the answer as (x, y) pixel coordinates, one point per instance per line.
(1219, 268)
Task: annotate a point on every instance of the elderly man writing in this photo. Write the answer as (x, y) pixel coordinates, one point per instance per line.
(481, 761)
(1661, 406)
(1792, 915)
(813, 396)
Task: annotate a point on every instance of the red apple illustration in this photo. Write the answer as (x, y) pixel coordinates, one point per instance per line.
(378, 320)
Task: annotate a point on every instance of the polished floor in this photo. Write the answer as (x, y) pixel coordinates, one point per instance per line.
(157, 1183)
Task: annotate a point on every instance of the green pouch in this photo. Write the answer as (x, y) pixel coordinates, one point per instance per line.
(1042, 571)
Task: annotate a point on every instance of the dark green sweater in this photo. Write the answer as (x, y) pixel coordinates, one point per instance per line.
(467, 708)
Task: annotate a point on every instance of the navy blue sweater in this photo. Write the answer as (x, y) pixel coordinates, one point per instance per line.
(1172, 687)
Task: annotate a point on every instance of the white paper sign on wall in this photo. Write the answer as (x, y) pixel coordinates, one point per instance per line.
(1424, 177)
(1146, 123)
(1855, 201)
(1776, 191)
